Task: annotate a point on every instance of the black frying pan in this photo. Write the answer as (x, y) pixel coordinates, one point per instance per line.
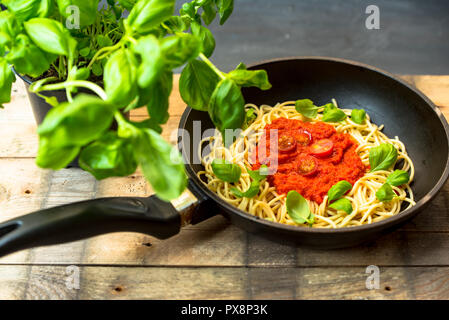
(403, 110)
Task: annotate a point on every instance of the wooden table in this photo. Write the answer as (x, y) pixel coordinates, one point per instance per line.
(213, 259)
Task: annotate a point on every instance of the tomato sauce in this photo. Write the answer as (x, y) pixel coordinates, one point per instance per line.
(302, 165)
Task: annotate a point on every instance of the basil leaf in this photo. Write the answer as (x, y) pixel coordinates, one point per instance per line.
(127, 4)
(52, 157)
(398, 177)
(82, 74)
(385, 193)
(332, 114)
(120, 77)
(196, 84)
(27, 58)
(159, 93)
(343, 205)
(84, 52)
(179, 49)
(103, 41)
(298, 208)
(358, 116)
(26, 9)
(51, 36)
(97, 69)
(161, 164)
(250, 116)
(188, 9)
(306, 108)
(209, 12)
(6, 79)
(77, 123)
(338, 190)
(148, 48)
(206, 37)
(225, 8)
(177, 24)
(9, 29)
(252, 191)
(226, 171)
(382, 157)
(87, 10)
(109, 156)
(250, 78)
(258, 175)
(227, 107)
(148, 14)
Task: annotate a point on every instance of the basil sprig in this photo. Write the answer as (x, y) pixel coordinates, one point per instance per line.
(342, 204)
(385, 193)
(126, 62)
(257, 176)
(358, 116)
(338, 190)
(306, 108)
(298, 208)
(382, 157)
(252, 191)
(332, 114)
(396, 178)
(226, 171)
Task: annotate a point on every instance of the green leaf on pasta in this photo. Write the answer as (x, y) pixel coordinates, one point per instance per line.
(332, 114)
(338, 190)
(258, 175)
(298, 208)
(342, 205)
(398, 177)
(226, 171)
(252, 191)
(382, 157)
(358, 116)
(385, 193)
(306, 108)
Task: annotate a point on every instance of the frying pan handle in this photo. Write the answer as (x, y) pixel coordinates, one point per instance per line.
(84, 219)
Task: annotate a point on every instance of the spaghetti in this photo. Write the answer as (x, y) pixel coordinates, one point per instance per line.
(271, 205)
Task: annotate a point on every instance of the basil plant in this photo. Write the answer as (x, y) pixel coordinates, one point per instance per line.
(124, 63)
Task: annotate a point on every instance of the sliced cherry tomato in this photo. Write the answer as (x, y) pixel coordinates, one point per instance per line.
(286, 144)
(307, 166)
(322, 148)
(304, 138)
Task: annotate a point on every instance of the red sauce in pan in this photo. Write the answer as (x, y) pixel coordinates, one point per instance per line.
(311, 157)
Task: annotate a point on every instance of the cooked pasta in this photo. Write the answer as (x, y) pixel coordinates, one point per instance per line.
(271, 205)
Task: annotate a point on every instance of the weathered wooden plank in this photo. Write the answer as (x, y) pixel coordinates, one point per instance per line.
(13, 282)
(50, 282)
(212, 243)
(434, 87)
(228, 247)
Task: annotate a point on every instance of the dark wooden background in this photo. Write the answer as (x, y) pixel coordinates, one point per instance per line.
(413, 37)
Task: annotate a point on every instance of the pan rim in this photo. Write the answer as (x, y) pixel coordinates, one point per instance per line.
(401, 216)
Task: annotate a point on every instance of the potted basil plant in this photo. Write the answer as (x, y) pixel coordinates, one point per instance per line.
(111, 63)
